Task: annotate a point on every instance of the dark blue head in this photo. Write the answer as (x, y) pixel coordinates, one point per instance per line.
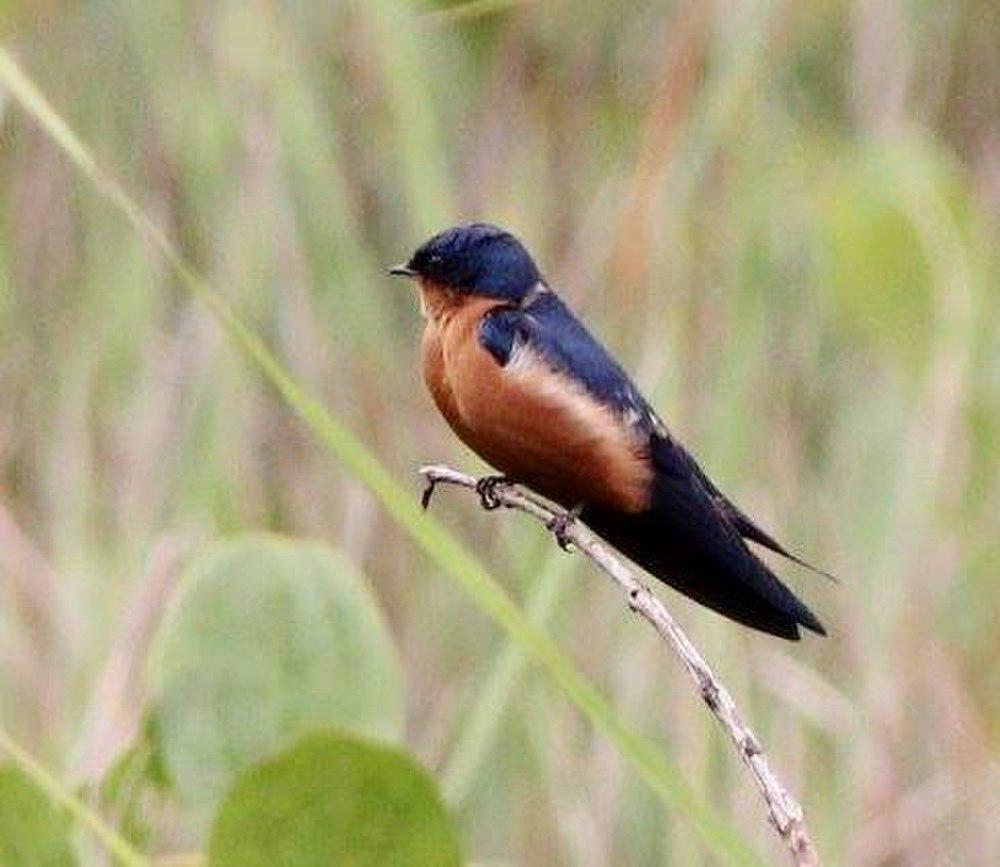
(476, 258)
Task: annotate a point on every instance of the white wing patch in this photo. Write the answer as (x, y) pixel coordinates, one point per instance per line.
(530, 366)
(556, 389)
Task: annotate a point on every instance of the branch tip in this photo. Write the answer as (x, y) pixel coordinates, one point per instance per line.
(784, 812)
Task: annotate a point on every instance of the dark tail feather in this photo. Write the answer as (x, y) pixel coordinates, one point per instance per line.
(711, 567)
(749, 530)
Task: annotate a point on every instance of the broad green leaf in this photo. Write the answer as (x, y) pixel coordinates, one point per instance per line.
(334, 800)
(269, 638)
(32, 832)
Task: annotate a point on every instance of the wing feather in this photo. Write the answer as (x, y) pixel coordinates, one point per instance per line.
(691, 536)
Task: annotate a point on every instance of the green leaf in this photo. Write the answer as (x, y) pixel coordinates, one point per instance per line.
(269, 638)
(334, 800)
(32, 833)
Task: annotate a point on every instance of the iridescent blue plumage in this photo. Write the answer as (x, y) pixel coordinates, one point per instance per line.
(479, 259)
(551, 329)
(688, 533)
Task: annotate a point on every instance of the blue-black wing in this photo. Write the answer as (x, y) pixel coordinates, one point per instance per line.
(551, 330)
(690, 536)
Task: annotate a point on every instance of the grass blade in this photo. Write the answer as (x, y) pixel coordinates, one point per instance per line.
(54, 790)
(450, 555)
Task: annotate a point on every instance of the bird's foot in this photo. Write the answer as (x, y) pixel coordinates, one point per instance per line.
(487, 488)
(559, 525)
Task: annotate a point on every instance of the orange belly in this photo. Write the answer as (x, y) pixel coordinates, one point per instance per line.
(530, 422)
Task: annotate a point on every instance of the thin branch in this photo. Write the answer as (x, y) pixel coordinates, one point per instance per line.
(784, 811)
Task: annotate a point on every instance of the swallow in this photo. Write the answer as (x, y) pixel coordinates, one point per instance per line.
(523, 383)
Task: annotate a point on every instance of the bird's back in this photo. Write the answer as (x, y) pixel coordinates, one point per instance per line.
(532, 391)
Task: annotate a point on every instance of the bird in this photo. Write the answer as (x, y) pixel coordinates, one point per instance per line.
(523, 383)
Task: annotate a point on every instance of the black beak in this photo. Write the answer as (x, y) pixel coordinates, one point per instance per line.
(402, 271)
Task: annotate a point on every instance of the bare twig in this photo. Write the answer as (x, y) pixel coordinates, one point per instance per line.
(784, 811)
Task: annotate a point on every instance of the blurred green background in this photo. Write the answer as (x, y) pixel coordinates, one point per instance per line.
(783, 217)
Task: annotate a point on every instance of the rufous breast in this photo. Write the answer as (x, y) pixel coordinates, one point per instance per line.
(532, 423)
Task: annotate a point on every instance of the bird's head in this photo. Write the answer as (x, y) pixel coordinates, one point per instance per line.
(474, 259)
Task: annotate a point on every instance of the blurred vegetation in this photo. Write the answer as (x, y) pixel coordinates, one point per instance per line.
(335, 800)
(783, 218)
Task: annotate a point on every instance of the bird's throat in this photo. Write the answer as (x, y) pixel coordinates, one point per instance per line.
(438, 303)
(441, 304)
